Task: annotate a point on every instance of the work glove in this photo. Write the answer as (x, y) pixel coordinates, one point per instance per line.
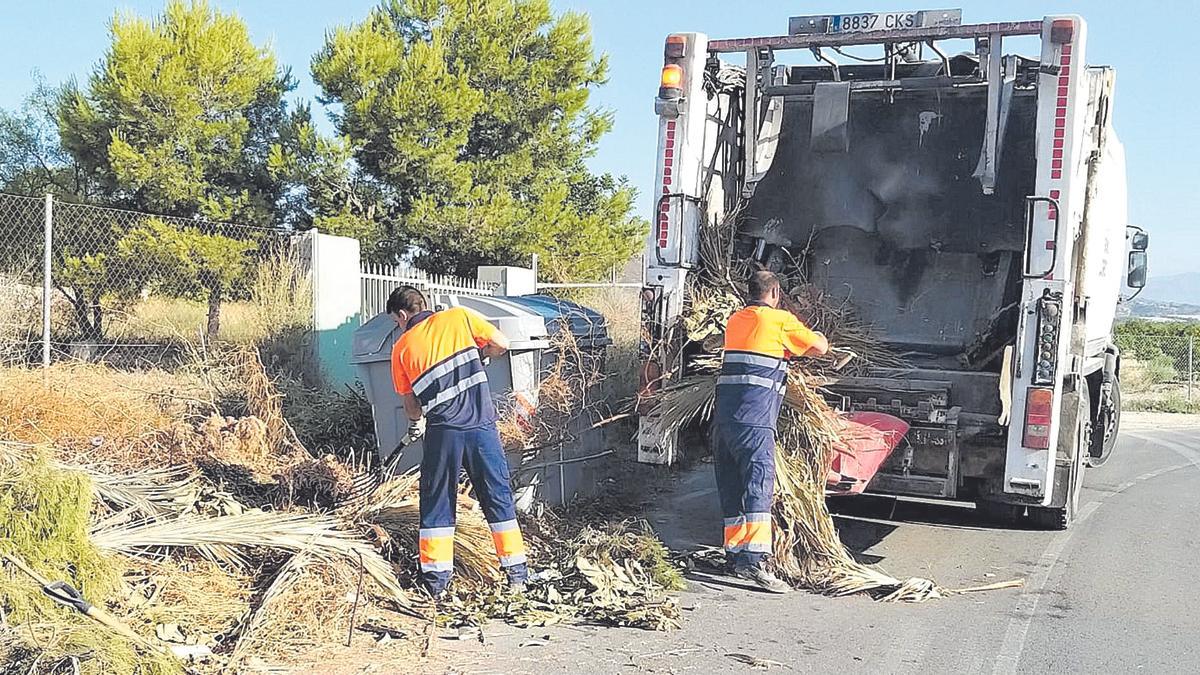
(416, 429)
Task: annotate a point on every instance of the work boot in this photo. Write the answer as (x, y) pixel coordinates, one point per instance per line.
(762, 577)
(516, 579)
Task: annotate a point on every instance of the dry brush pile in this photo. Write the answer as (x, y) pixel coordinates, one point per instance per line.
(226, 546)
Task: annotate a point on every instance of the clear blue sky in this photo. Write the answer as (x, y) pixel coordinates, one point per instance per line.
(1151, 43)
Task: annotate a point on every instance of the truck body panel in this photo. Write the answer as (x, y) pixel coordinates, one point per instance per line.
(971, 209)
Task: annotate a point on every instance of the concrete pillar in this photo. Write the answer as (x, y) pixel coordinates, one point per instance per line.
(337, 299)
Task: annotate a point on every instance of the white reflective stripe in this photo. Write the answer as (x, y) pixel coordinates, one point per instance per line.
(448, 394)
(735, 549)
(432, 532)
(437, 567)
(753, 359)
(730, 522)
(757, 548)
(510, 560)
(753, 380)
(421, 383)
(758, 517)
(503, 526)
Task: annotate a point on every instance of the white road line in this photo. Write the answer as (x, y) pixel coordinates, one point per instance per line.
(1009, 656)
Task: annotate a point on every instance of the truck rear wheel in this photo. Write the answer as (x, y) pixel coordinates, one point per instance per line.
(1078, 443)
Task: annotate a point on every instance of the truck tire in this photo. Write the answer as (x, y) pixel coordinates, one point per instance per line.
(1106, 427)
(1077, 443)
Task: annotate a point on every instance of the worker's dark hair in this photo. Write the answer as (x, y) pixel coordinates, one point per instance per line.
(406, 299)
(761, 283)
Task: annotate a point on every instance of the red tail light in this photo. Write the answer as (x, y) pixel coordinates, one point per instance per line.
(1062, 31)
(676, 47)
(1039, 407)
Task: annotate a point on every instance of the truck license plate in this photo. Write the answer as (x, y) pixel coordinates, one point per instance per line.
(861, 23)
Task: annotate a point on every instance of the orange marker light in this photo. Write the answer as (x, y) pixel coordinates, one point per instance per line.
(672, 76)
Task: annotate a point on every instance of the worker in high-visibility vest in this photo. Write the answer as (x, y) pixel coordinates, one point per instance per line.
(759, 341)
(438, 370)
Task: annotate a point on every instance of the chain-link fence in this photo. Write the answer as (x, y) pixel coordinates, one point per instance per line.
(1158, 372)
(138, 288)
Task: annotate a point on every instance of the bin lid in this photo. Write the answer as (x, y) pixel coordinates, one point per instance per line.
(374, 339)
(588, 326)
(524, 328)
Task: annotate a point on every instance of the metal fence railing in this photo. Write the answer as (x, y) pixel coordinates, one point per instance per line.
(97, 282)
(378, 281)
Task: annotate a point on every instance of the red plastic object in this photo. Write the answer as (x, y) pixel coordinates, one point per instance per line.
(867, 441)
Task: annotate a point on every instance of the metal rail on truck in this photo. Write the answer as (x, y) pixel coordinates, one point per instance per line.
(807, 41)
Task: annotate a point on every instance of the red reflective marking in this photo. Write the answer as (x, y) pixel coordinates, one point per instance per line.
(1060, 123)
(1065, 60)
(1060, 112)
(1058, 143)
(1062, 100)
(1062, 91)
(671, 125)
(1050, 245)
(670, 144)
(1066, 70)
(667, 180)
(1064, 81)
(666, 171)
(1066, 49)
(1055, 174)
(1054, 194)
(667, 162)
(664, 207)
(666, 191)
(671, 135)
(669, 153)
(1059, 133)
(1057, 154)
(1056, 164)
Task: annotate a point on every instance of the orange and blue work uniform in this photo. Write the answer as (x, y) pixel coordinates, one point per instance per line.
(759, 340)
(437, 360)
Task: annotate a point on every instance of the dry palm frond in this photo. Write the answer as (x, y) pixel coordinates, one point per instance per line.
(808, 551)
(395, 506)
(288, 575)
(689, 401)
(219, 537)
(150, 493)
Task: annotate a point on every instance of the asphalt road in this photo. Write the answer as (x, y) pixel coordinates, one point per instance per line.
(1114, 594)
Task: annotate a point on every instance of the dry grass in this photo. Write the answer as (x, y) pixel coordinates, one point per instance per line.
(108, 416)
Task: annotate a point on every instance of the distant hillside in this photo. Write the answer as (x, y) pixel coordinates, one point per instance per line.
(1181, 289)
(1141, 308)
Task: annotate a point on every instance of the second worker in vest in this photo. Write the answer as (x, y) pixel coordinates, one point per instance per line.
(759, 341)
(437, 369)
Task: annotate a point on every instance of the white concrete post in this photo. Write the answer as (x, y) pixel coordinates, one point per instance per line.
(337, 301)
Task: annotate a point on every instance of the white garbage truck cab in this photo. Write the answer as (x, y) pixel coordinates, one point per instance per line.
(970, 207)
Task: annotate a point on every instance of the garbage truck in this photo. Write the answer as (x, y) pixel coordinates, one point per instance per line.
(961, 188)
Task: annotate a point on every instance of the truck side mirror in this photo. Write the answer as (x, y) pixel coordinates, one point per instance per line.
(1140, 241)
(1138, 265)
